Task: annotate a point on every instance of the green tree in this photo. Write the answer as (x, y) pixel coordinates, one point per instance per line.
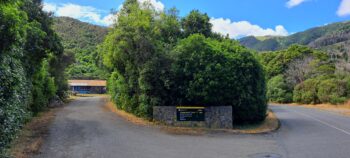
(278, 90)
(128, 50)
(196, 22)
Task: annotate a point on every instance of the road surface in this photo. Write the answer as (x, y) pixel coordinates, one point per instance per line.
(85, 129)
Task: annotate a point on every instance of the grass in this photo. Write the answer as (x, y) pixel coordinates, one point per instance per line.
(270, 124)
(32, 135)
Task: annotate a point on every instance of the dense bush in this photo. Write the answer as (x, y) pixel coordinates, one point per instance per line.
(14, 96)
(304, 74)
(152, 65)
(212, 73)
(278, 90)
(44, 88)
(330, 89)
(306, 92)
(333, 91)
(31, 65)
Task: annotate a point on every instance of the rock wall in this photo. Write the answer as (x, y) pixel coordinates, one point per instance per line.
(215, 117)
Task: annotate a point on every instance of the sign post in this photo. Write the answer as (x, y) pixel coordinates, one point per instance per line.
(184, 113)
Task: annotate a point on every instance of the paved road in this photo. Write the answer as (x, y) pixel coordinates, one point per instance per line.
(85, 129)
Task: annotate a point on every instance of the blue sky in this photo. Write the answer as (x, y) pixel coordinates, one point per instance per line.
(238, 18)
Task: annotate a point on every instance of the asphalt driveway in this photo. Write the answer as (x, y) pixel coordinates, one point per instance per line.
(85, 129)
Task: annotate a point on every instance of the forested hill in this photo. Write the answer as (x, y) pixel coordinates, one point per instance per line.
(81, 39)
(333, 37)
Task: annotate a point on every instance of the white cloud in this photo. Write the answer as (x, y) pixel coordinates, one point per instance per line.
(293, 3)
(244, 28)
(83, 13)
(91, 14)
(110, 19)
(344, 8)
(49, 7)
(158, 5)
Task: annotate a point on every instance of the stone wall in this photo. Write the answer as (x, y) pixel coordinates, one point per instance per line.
(215, 117)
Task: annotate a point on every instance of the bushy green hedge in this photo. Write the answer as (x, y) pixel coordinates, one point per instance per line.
(30, 74)
(14, 99)
(14, 95)
(214, 73)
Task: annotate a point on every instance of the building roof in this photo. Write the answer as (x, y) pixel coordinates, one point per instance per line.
(87, 83)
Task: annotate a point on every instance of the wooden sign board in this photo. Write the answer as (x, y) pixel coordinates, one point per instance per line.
(184, 113)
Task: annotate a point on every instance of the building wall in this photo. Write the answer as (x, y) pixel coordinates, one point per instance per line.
(89, 89)
(215, 117)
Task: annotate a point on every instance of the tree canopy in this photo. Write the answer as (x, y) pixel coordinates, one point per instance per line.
(158, 59)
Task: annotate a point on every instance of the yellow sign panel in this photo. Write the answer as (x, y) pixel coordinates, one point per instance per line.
(190, 107)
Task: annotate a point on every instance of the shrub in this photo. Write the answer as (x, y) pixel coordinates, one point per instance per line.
(306, 92)
(278, 91)
(332, 91)
(26, 39)
(215, 73)
(44, 88)
(14, 98)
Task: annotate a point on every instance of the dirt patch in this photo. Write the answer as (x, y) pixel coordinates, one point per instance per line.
(32, 135)
(270, 124)
(343, 109)
(127, 116)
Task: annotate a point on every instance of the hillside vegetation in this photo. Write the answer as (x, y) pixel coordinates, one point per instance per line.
(334, 39)
(317, 37)
(303, 75)
(316, 72)
(80, 40)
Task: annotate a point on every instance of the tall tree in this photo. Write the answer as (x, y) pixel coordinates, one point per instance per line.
(196, 22)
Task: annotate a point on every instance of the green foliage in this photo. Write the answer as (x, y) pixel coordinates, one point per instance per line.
(196, 22)
(129, 50)
(332, 91)
(276, 63)
(278, 90)
(80, 42)
(44, 88)
(28, 76)
(13, 84)
(151, 65)
(14, 98)
(304, 74)
(318, 37)
(306, 92)
(213, 73)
